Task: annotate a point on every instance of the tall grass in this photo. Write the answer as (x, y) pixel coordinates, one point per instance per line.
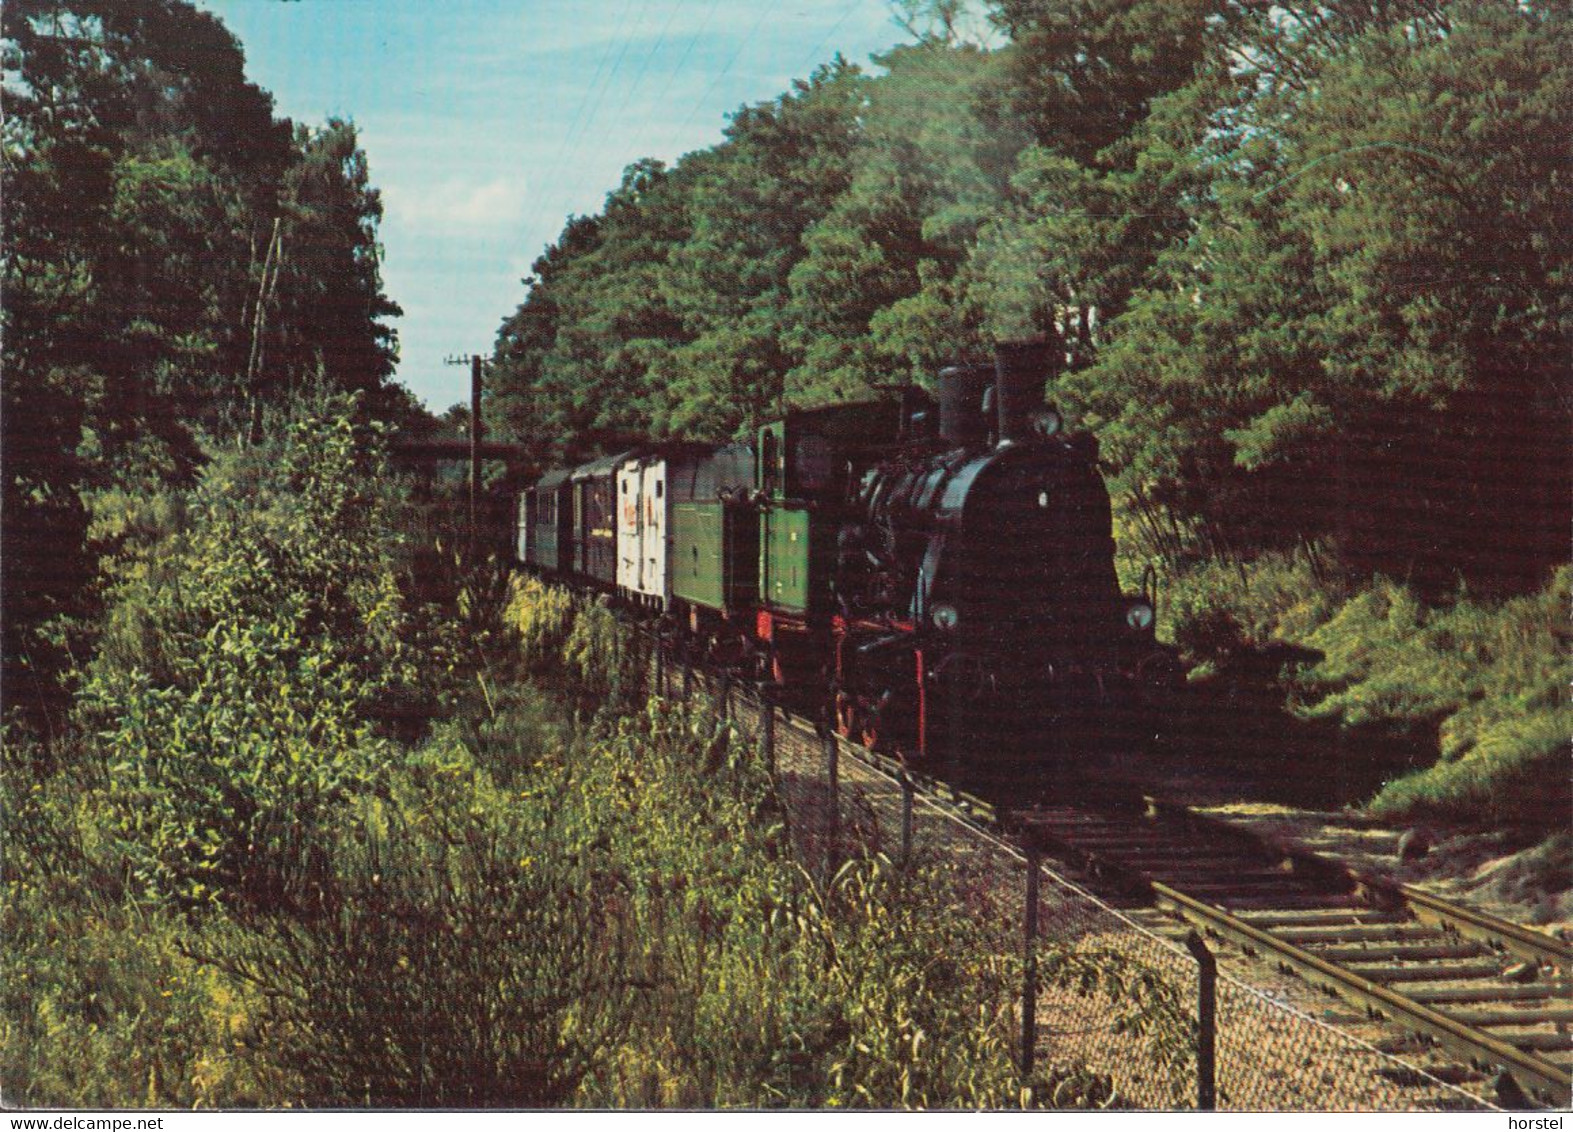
(1493, 677)
(542, 616)
(229, 888)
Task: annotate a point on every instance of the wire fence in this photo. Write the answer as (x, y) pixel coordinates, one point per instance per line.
(1103, 994)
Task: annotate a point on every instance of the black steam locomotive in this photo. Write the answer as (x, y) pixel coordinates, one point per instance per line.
(936, 580)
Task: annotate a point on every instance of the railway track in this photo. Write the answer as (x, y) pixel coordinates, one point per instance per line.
(1497, 997)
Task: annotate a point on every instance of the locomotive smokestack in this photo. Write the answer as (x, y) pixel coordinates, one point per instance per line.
(1020, 370)
(962, 421)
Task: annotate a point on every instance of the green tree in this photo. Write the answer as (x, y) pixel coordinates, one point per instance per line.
(323, 307)
(1365, 333)
(166, 237)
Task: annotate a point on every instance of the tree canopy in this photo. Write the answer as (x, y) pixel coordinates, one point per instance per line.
(177, 261)
(1309, 261)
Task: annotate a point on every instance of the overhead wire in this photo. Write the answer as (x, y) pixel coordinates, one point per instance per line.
(567, 145)
(644, 69)
(704, 99)
(562, 175)
(681, 66)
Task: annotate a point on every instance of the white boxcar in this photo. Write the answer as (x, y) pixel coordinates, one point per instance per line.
(630, 524)
(644, 520)
(654, 513)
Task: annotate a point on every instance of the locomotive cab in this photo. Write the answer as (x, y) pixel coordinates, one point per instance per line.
(807, 461)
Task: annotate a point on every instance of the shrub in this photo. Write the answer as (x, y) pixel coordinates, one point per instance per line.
(1216, 607)
(462, 953)
(1487, 679)
(602, 662)
(101, 1006)
(231, 691)
(542, 615)
(1492, 676)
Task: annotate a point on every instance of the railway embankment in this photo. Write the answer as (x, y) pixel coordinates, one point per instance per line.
(1420, 736)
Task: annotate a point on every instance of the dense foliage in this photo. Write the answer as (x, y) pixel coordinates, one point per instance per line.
(1308, 262)
(301, 809)
(177, 263)
(235, 892)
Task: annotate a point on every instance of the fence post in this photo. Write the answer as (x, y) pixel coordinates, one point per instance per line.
(1029, 981)
(769, 736)
(833, 767)
(688, 679)
(660, 665)
(726, 697)
(1206, 1022)
(906, 820)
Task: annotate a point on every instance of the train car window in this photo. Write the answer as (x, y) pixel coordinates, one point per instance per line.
(769, 462)
(814, 462)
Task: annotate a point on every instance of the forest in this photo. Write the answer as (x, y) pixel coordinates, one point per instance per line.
(287, 763)
(1309, 264)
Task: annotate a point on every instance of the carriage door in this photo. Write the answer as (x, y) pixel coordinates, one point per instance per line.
(630, 523)
(653, 579)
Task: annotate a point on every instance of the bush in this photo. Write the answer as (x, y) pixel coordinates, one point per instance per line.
(462, 953)
(101, 1005)
(231, 691)
(542, 615)
(603, 662)
(1217, 608)
(1485, 678)
(1489, 676)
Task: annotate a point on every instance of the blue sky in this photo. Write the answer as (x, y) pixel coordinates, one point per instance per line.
(488, 122)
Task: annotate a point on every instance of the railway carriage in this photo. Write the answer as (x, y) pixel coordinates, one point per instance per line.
(715, 540)
(594, 532)
(630, 526)
(649, 483)
(546, 524)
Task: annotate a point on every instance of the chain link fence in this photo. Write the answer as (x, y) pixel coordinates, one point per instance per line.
(1103, 994)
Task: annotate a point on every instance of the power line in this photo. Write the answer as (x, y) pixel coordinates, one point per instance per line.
(764, 11)
(538, 212)
(682, 63)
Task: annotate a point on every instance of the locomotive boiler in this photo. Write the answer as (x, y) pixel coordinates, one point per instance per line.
(980, 626)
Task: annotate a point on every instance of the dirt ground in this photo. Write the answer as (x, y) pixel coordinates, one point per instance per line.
(1520, 874)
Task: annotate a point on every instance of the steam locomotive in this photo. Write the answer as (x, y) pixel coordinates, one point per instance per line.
(934, 579)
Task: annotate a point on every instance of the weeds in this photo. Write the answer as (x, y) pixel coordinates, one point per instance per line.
(229, 888)
(1486, 679)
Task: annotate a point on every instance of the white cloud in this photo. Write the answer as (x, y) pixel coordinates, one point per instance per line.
(456, 207)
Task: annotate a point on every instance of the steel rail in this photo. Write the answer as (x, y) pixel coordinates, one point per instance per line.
(1545, 1080)
(1524, 942)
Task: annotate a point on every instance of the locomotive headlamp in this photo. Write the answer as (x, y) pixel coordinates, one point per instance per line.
(1047, 422)
(946, 617)
(1139, 616)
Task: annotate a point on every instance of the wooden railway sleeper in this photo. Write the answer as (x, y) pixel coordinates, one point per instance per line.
(1340, 933)
(1369, 903)
(1398, 951)
(1543, 1080)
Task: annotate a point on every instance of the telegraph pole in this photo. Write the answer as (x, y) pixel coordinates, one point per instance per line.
(477, 427)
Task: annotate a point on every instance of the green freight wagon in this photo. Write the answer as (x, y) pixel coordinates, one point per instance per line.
(715, 533)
